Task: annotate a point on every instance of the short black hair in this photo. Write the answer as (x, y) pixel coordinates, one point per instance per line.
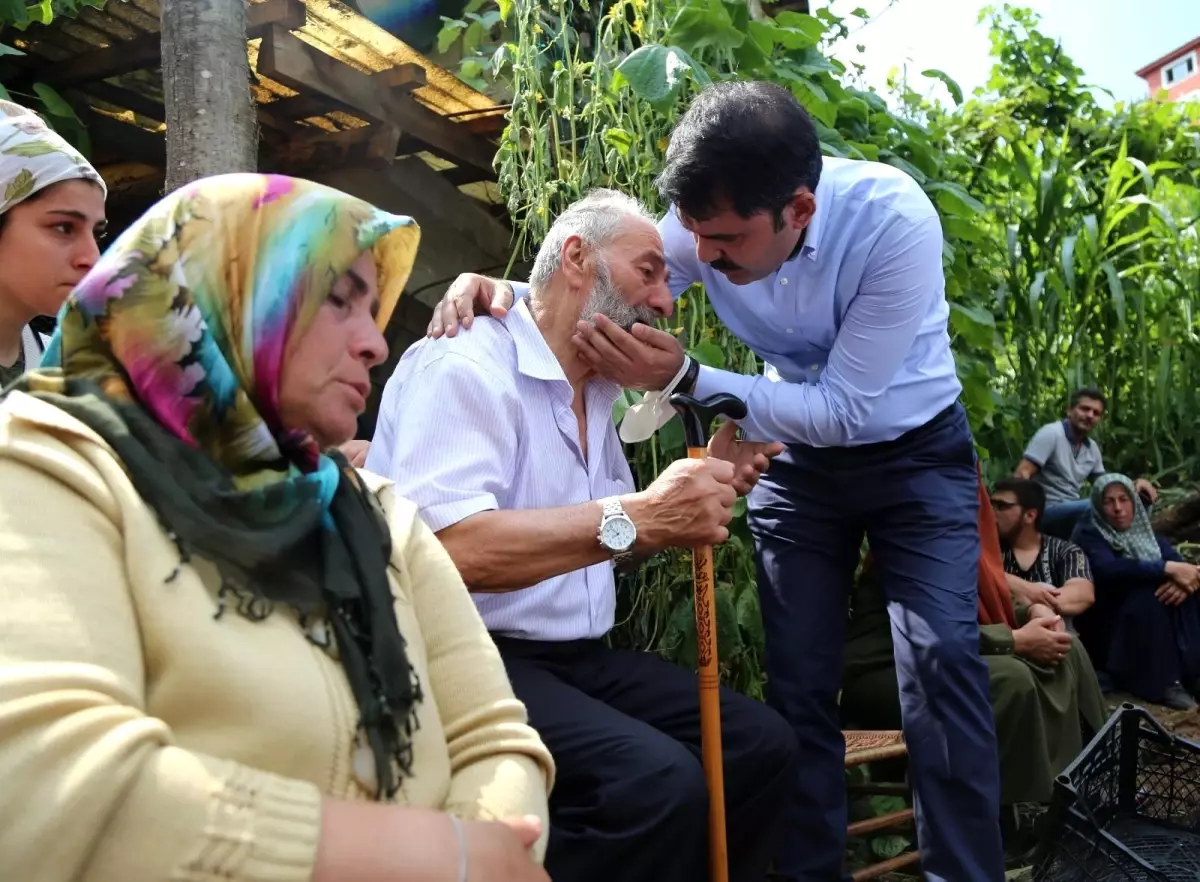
(1088, 392)
(1030, 494)
(743, 145)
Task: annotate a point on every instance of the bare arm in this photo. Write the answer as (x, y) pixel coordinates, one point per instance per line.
(1026, 468)
(498, 551)
(1075, 597)
(1029, 593)
(506, 550)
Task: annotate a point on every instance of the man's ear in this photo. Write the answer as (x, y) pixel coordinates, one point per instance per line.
(798, 213)
(572, 261)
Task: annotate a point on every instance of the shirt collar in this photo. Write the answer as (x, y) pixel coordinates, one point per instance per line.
(534, 357)
(1072, 438)
(536, 360)
(812, 238)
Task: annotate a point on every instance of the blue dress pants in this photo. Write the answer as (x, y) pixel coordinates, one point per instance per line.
(915, 499)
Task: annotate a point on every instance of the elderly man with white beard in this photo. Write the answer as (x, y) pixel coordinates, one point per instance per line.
(504, 438)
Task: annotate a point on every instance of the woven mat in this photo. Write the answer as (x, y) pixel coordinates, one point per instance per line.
(857, 740)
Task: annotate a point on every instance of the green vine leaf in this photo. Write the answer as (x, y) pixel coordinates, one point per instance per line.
(54, 103)
(656, 73)
(953, 87)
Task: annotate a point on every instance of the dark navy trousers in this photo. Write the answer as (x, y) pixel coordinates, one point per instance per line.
(915, 499)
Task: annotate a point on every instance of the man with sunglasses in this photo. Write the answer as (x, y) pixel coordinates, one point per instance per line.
(1040, 568)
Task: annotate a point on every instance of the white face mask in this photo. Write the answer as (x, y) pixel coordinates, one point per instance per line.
(650, 414)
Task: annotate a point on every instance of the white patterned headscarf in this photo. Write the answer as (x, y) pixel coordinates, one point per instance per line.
(33, 157)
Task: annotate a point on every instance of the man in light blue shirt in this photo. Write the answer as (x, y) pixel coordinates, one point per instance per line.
(831, 271)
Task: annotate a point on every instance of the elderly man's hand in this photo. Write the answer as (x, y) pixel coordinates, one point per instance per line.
(644, 358)
(1146, 490)
(750, 458)
(470, 295)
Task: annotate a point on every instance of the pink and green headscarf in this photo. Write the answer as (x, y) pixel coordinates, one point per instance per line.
(172, 348)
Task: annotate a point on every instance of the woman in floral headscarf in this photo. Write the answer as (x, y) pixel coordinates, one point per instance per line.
(1144, 629)
(51, 213)
(224, 654)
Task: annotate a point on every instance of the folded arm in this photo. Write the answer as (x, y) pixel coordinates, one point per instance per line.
(876, 335)
(1113, 572)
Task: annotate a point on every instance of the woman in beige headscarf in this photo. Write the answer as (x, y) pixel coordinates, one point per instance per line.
(51, 213)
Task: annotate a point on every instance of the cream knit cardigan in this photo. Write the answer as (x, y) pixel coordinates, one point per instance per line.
(142, 739)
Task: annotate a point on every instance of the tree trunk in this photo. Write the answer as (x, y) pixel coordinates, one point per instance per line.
(211, 124)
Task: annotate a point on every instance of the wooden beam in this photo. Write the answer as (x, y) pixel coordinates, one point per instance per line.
(289, 60)
(120, 58)
(366, 147)
(404, 77)
(288, 14)
(145, 51)
(128, 142)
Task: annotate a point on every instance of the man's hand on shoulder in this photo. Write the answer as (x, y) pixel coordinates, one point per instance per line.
(749, 458)
(469, 296)
(644, 358)
(688, 505)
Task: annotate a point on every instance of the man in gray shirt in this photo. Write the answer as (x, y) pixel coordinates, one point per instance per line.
(1061, 457)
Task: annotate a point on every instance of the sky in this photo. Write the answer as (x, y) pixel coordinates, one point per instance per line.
(1108, 39)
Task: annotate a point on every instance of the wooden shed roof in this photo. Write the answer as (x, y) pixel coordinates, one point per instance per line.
(330, 85)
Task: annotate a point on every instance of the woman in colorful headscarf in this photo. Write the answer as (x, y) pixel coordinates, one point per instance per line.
(51, 213)
(1144, 629)
(224, 654)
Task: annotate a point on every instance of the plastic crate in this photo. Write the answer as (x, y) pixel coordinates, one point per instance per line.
(1127, 809)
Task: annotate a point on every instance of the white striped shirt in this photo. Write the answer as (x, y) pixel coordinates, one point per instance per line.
(483, 421)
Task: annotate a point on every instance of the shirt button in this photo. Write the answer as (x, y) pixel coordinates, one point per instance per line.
(364, 769)
(783, 281)
(789, 330)
(815, 367)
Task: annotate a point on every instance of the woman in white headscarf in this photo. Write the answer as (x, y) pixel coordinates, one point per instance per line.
(1144, 628)
(51, 214)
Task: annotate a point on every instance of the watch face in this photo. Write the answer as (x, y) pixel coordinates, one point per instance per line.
(618, 534)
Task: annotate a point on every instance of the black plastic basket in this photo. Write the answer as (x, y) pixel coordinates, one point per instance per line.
(1127, 809)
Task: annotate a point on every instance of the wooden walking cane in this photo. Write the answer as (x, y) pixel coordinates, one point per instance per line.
(697, 416)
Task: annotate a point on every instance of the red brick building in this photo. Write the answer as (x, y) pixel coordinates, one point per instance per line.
(1177, 72)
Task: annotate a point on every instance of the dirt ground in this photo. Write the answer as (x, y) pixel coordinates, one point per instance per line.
(1185, 724)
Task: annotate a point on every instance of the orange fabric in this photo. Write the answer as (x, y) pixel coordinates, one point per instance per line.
(995, 600)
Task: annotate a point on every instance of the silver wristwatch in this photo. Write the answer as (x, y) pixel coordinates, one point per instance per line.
(617, 532)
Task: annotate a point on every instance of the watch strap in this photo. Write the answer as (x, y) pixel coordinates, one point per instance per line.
(614, 509)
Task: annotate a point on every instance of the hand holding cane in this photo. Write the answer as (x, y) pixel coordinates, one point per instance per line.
(697, 417)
